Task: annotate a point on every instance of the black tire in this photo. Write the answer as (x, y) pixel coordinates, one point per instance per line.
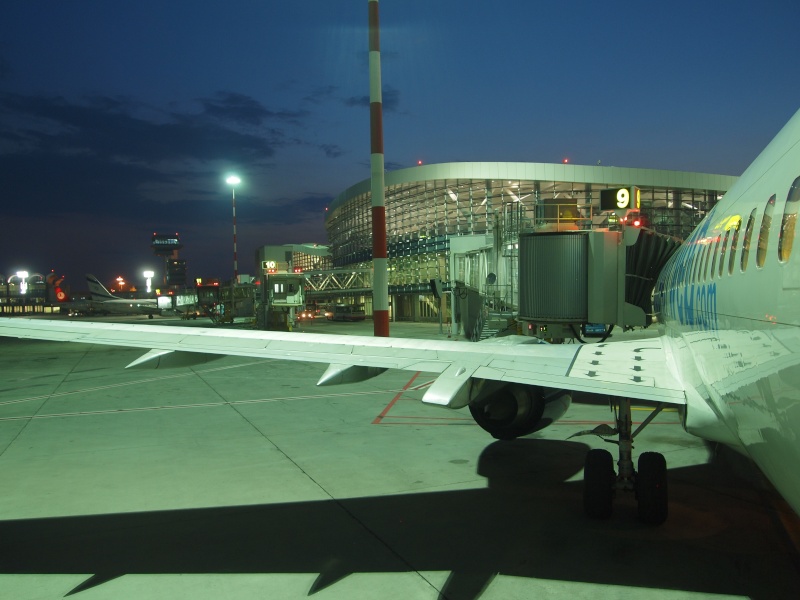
(598, 484)
(651, 488)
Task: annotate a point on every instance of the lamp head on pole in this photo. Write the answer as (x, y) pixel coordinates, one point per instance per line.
(23, 281)
(233, 180)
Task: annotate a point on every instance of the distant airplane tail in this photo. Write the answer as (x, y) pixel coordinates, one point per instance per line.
(98, 290)
(55, 293)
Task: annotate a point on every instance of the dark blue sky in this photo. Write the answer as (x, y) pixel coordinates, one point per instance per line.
(121, 119)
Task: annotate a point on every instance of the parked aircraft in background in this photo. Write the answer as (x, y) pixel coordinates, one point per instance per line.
(728, 303)
(104, 301)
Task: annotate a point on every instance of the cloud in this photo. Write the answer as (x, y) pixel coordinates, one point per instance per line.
(113, 154)
(332, 150)
(361, 101)
(106, 171)
(390, 98)
(321, 94)
(109, 127)
(58, 184)
(244, 110)
(287, 211)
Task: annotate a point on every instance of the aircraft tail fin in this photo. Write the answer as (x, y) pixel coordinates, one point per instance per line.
(55, 292)
(98, 290)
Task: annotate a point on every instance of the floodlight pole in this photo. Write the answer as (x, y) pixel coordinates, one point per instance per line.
(235, 259)
(233, 181)
(380, 278)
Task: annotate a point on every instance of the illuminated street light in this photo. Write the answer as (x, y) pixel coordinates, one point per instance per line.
(120, 283)
(23, 285)
(148, 276)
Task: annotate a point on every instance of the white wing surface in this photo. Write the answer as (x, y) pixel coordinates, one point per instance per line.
(635, 369)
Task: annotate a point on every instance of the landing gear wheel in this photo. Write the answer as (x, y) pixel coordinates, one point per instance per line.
(651, 488)
(598, 484)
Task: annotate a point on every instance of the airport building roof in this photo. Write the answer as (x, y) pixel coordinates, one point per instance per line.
(435, 202)
(606, 176)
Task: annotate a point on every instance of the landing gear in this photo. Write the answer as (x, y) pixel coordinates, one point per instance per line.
(599, 481)
(648, 482)
(651, 488)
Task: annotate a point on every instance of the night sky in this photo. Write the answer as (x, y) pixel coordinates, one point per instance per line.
(118, 119)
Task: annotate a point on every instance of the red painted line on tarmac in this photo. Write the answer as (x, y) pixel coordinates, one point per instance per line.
(430, 418)
(407, 423)
(389, 406)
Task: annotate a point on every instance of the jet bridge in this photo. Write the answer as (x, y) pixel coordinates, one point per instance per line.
(576, 282)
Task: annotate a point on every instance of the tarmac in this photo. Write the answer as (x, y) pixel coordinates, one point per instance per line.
(239, 478)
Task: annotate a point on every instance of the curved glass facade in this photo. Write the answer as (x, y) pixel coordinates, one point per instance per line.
(427, 206)
(422, 209)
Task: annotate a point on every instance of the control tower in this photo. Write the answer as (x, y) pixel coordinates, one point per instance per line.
(167, 246)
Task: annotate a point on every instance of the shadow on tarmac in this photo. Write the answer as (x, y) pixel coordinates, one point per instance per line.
(527, 523)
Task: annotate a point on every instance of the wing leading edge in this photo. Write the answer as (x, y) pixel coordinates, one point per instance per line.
(634, 369)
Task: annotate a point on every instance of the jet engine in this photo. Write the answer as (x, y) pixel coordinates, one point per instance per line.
(511, 410)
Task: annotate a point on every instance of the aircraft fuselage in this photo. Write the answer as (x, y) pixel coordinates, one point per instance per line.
(729, 305)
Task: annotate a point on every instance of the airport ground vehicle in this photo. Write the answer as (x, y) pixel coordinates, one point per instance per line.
(307, 314)
(345, 312)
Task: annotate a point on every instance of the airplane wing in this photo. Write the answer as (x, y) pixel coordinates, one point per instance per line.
(635, 369)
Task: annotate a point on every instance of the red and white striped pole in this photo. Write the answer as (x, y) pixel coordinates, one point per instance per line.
(380, 277)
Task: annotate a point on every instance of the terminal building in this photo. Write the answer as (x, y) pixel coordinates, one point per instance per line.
(461, 223)
(23, 293)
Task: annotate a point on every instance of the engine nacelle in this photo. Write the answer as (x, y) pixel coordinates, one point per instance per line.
(511, 410)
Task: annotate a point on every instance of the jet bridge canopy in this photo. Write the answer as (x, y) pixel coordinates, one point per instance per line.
(570, 279)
